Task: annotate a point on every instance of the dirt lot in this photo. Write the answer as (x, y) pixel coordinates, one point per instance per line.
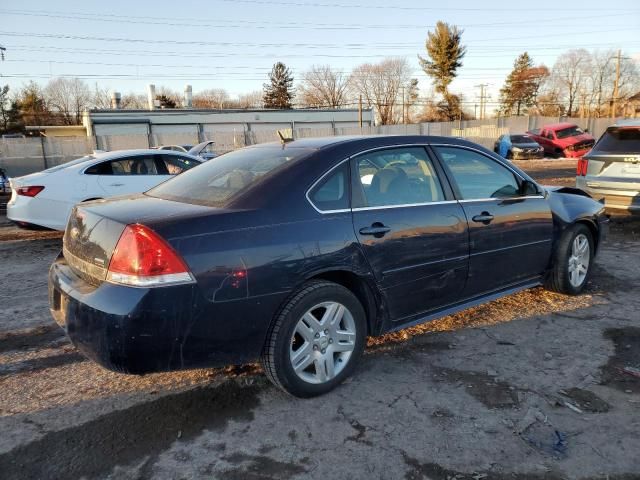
(535, 386)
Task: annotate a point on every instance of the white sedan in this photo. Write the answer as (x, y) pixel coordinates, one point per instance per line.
(46, 198)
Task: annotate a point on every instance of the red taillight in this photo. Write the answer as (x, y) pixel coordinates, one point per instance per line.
(581, 169)
(29, 191)
(141, 258)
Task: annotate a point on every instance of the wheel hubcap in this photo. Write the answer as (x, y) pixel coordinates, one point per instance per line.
(322, 342)
(579, 260)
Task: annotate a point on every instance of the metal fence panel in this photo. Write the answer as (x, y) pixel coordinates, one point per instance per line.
(21, 156)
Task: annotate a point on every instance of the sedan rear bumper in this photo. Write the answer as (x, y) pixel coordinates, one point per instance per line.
(144, 330)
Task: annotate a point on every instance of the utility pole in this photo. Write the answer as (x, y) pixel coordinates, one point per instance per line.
(615, 86)
(360, 112)
(483, 99)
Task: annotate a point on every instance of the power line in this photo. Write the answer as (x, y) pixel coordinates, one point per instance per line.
(394, 6)
(277, 45)
(236, 23)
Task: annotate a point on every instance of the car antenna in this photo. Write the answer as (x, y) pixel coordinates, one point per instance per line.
(285, 137)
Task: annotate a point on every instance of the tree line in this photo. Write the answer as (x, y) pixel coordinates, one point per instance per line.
(579, 83)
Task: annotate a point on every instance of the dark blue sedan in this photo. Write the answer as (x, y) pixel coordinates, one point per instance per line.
(294, 253)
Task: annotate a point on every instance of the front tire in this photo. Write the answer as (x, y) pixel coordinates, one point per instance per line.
(315, 340)
(572, 261)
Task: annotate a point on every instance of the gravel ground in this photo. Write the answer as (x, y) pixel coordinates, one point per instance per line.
(532, 386)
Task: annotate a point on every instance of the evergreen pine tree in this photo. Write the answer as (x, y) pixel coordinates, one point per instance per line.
(521, 86)
(445, 50)
(278, 93)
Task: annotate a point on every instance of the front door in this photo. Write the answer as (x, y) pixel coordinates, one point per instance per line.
(412, 231)
(510, 230)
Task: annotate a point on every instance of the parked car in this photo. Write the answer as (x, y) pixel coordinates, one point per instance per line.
(518, 147)
(175, 148)
(611, 170)
(296, 252)
(563, 139)
(204, 150)
(46, 198)
(4, 182)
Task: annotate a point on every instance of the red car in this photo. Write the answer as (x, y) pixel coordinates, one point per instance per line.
(563, 139)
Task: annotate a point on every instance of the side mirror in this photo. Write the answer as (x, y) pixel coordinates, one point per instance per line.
(527, 187)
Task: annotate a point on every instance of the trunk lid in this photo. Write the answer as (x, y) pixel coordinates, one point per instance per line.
(94, 228)
(616, 157)
(89, 241)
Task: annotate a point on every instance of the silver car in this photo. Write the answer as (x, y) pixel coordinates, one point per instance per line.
(611, 170)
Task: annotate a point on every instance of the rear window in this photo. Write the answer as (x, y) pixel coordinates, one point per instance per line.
(569, 132)
(70, 164)
(215, 182)
(619, 140)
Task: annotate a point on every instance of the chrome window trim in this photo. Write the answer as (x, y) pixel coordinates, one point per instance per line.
(382, 207)
(498, 199)
(442, 202)
(328, 172)
(484, 154)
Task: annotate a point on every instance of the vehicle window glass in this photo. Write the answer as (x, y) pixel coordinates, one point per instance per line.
(332, 193)
(549, 135)
(70, 163)
(478, 176)
(215, 183)
(569, 132)
(140, 165)
(102, 168)
(521, 139)
(397, 176)
(174, 164)
(619, 140)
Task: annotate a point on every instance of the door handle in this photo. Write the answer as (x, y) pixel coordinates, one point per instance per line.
(116, 184)
(377, 229)
(484, 217)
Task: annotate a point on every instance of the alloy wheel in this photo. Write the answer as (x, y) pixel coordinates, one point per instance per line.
(322, 342)
(579, 260)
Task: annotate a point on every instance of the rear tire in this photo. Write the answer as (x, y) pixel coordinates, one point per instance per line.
(316, 340)
(572, 261)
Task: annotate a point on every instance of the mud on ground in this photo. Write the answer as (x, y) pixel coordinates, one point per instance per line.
(533, 386)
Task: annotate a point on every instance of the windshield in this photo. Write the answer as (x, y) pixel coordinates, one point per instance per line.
(521, 139)
(569, 132)
(70, 164)
(619, 140)
(214, 183)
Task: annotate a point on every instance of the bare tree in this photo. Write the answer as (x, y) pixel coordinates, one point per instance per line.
(572, 72)
(69, 97)
(134, 101)
(101, 97)
(323, 87)
(247, 100)
(211, 98)
(380, 84)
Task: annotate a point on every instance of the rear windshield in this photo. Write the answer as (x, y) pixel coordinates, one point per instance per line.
(521, 139)
(70, 164)
(569, 132)
(213, 183)
(619, 140)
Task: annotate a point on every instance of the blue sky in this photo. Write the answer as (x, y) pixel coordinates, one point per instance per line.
(232, 44)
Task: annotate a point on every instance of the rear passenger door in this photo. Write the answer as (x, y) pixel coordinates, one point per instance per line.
(128, 175)
(510, 229)
(412, 231)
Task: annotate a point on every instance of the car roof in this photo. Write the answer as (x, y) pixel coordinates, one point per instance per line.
(558, 126)
(629, 122)
(318, 143)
